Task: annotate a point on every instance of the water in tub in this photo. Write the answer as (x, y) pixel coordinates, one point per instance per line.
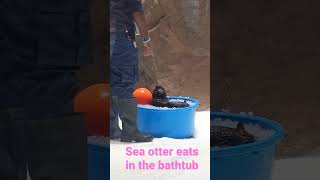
(148, 106)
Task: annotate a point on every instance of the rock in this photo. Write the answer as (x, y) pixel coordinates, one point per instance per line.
(181, 41)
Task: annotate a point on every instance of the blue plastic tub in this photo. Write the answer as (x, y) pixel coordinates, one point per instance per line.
(98, 162)
(174, 123)
(249, 161)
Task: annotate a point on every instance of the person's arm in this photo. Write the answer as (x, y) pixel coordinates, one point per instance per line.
(140, 19)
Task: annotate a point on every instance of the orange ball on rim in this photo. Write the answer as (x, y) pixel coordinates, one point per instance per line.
(143, 96)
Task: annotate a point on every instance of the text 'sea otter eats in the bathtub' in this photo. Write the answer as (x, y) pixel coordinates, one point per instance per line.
(181, 158)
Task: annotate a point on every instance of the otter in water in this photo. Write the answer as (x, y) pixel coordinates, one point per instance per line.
(224, 136)
(160, 99)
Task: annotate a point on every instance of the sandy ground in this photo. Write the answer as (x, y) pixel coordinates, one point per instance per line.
(201, 142)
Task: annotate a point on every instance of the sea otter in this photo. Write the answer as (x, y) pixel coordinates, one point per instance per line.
(160, 99)
(224, 136)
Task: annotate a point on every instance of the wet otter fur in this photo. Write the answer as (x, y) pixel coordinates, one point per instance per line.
(160, 99)
(224, 136)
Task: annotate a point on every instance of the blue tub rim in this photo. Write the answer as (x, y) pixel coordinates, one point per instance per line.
(93, 143)
(252, 147)
(194, 106)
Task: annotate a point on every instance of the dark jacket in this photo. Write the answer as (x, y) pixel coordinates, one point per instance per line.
(43, 33)
(121, 14)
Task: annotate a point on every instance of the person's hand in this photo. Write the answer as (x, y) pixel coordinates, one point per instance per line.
(147, 49)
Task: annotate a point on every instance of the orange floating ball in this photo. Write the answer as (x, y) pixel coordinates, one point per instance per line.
(94, 102)
(143, 96)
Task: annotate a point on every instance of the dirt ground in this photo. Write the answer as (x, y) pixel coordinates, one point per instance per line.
(266, 60)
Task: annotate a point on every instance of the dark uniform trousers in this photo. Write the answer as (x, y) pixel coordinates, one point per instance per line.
(42, 43)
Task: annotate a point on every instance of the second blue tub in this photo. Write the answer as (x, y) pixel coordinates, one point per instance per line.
(98, 161)
(249, 161)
